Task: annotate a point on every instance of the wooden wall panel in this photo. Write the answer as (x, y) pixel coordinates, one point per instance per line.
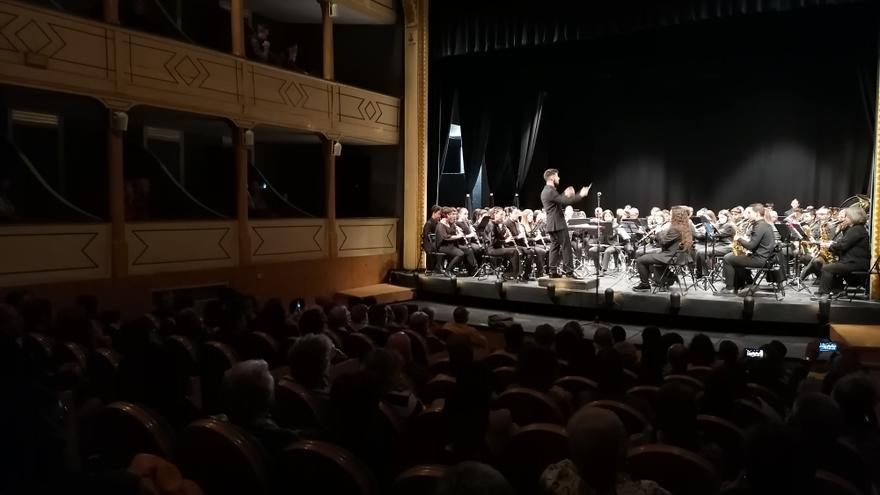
(176, 246)
(45, 253)
(274, 241)
(365, 236)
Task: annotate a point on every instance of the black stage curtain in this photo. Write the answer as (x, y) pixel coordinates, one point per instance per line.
(757, 108)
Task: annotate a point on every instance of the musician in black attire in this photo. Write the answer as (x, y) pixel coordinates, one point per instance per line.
(528, 253)
(852, 248)
(470, 234)
(762, 245)
(716, 245)
(677, 238)
(495, 240)
(448, 238)
(427, 244)
(554, 204)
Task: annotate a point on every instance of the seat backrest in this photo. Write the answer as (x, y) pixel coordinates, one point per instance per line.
(699, 372)
(529, 406)
(729, 438)
(679, 471)
(222, 459)
(419, 480)
(769, 396)
(689, 381)
(357, 345)
(260, 345)
(745, 413)
(427, 433)
(379, 336)
(647, 393)
(499, 359)
(577, 384)
(104, 372)
(39, 348)
(185, 354)
(439, 387)
(530, 450)
(71, 352)
(828, 483)
(216, 359)
(419, 347)
(295, 407)
(504, 377)
(312, 467)
(635, 422)
(439, 365)
(123, 430)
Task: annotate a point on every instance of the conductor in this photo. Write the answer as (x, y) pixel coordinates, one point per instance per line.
(554, 204)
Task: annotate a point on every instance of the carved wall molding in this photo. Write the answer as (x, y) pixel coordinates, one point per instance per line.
(288, 240)
(365, 236)
(50, 50)
(174, 246)
(53, 253)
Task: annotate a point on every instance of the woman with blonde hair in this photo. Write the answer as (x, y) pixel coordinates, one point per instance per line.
(676, 238)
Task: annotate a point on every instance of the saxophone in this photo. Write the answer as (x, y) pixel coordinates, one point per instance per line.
(825, 253)
(805, 243)
(736, 248)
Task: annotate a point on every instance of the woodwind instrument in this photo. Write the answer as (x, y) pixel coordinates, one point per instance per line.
(735, 247)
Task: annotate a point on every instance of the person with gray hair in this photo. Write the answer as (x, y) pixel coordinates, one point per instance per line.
(309, 361)
(598, 443)
(852, 249)
(248, 394)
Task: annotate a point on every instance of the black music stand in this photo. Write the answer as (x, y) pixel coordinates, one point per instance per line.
(710, 238)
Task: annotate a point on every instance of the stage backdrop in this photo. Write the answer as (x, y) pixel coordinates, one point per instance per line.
(760, 108)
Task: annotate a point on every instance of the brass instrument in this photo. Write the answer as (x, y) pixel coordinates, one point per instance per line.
(736, 248)
(825, 252)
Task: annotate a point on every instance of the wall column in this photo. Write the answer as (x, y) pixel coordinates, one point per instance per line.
(118, 122)
(327, 33)
(111, 11)
(415, 130)
(330, 193)
(236, 14)
(243, 139)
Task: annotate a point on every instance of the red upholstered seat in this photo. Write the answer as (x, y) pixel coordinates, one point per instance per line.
(647, 393)
(295, 407)
(104, 373)
(529, 406)
(577, 384)
(357, 345)
(499, 359)
(222, 459)
(311, 467)
(634, 421)
(687, 380)
(419, 480)
(439, 387)
(677, 470)
(504, 377)
(260, 345)
(427, 434)
(531, 450)
(123, 430)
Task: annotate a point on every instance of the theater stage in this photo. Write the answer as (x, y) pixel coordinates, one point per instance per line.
(698, 309)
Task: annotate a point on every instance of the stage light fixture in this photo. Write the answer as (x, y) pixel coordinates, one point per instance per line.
(675, 301)
(454, 281)
(499, 286)
(609, 297)
(824, 310)
(551, 291)
(748, 307)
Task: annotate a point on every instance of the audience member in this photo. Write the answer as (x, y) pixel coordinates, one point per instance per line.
(309, 361)
(677, 357)
(400, 317)
(460, 327)
(538, 369)
(728, 352)
(385, 369)
(574, 327)
(598, 443)
(545, 335)
(856, 395)
(259, 47)
(514, 338)
(618, 334)
(338, 320)
(602, 338)
(629, 355)
(675, 421)
(473, 478)
(701, 352)
(653, 357)
(359, 317)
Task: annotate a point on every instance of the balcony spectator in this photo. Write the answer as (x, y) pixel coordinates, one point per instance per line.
(259, 47)
(288, 60)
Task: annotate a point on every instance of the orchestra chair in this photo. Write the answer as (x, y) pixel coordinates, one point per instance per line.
(419, 480)
(647, 393)
(427, 434)
(295, 407)
(40, 350)
(103, 373)
(828, 483)
(492, 264)
(223, 459)
(679, 471)
(678, 267)
(637, 425)
(440, 387)
(770, 266)
(530, 450)
(499, 359)
(728, 437)
(260, 345)
(504, 377)
(529, 406)
(357, 345)
(438, 266)
(217, 357)
(312, 467)
(122, 430)
(576, 385)
(687, 380)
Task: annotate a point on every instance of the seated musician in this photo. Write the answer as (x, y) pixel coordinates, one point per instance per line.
(677, 237)
(761, 245)
(719, 244)
(531, 254)
(470, 234)
(813, 262)
(428, 245)
(495, 241)
(448, 238)
(608, 250)
(852, 249)
(536, 236)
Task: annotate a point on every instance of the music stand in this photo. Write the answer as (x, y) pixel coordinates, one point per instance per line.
(710, 233)
(795, 233)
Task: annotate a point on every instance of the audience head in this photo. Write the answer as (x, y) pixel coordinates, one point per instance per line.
(383, 367)
(378, 315)
(602, 338)
(598, 443)
(248, 391)
(420, 323)
(676, 410)
(566, 344)
(473, 478)
(678, 358)
(400, 343)
(338, 317)
(817, 417)
(189, 324)
(460, 314)
(359, 315)
(461, 353)
(728, 351)
(856, 394)
(776, 461)
(618, 333)
(629, 355)
(574, 327)
(401, 314)
(545, 335)
(430, 312)
(701, 351)
(312, 321)
(609, 372)
(514, 338)
(262, 32)
(309, 361)
(537, 368)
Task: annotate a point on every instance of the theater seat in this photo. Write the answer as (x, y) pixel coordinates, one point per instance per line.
(71, 352)
(357, 345)
(686, 380)
(311, 467)
(295, 407)
(531, 450)
(499, 359)
(216, 359)
(701, 373)
(830, 484)
(185, 355)
(260, 345)
(636, 424)
(419, 480)
(529, 406)
(745, 413)
(222, 459)
(104, 373)
(728, 437)
(419, 345)
(427, 434)
(647, 393)
(769, 396)
(439, 387)
(439, 365)
(576, 385)
(123, 430)
(503, 377)
(677, 470)
(39, 348)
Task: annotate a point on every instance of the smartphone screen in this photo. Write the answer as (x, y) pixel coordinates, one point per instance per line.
(827, 346)
(754, 353)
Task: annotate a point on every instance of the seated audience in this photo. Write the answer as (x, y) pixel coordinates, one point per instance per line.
(675, 422)
(514, 338)
(460, 327)
(677, 357)
(602, 338)
(473, 478)
(598, 443)
(338, 320)
(545, 335)
(618, 334)
(259, 47)
(309, 361)
(359, 317)
(653, 357)
(400, 316)
(701, 352)
(385, 369)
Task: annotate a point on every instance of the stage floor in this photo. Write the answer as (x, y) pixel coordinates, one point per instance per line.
(699, 309)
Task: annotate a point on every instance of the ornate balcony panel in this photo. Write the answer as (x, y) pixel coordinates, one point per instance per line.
(50, 253)
(365, 236)
(381, 11)
(177, 246)
(58, 52)
(288, 240)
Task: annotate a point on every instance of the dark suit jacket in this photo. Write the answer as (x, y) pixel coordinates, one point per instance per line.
(554, 204)
(853, 246)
